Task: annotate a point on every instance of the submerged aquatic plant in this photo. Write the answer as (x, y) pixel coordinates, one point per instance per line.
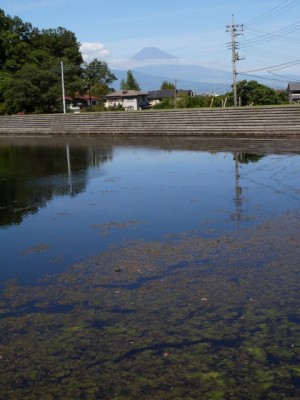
(186, 318)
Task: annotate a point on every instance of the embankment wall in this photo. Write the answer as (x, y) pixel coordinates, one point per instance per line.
(266, 122)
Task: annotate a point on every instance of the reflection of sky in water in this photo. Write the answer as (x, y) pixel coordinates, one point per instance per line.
(159, 192)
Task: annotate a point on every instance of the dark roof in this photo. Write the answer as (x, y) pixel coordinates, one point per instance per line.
(84, 97)
(160, 94)
(293, 86)
(125, 93)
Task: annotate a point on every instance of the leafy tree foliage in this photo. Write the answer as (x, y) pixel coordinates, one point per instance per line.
(251, 93)
(183, 100)
(33, 90)
(255, 93)
(97, 77)
(130, 83)
(30, 68)
(167, 85)
(30, 72)
(165, 103)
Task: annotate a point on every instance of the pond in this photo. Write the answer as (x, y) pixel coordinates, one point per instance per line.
(149, 268)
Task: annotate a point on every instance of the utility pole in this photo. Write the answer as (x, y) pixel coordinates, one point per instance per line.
(234, 29)
(63, 86)
(175, 98)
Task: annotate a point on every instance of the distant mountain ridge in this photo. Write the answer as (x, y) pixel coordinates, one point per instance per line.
(152, 53)
(195, 73)
(153, 82)
(155, 66)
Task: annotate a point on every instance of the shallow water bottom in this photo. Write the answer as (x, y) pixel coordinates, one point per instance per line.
(187, 318)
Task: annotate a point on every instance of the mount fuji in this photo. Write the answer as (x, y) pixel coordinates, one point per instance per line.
(151, 66)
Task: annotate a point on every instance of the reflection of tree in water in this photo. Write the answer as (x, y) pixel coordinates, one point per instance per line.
(246, 158)
(30, 176)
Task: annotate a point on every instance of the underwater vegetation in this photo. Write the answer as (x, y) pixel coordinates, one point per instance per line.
(186, 318)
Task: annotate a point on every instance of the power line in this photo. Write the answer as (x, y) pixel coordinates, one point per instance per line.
(275, 67)
(280, 33)
(261, 77)
(287, 78)
(259, 33)
(269, 54)
(274, 12)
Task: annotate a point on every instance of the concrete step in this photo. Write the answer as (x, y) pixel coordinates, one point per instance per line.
(246, 121)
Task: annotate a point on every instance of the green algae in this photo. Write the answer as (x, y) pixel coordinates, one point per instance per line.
(187, 318)
(257, 353)
(39, 248)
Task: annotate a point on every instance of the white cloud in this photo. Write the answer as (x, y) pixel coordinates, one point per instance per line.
(91, 50)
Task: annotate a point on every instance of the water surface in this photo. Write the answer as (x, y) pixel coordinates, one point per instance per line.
(149, 269)
(63, 200)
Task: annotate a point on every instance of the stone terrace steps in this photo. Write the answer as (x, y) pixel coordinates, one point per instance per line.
(241, 122)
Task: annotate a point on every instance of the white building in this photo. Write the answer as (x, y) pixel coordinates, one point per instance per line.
(293, 90)
(128, 99)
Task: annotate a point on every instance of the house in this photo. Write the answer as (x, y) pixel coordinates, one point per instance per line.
(77, 102)
(128, 99)
(156, 96)
(293, 90)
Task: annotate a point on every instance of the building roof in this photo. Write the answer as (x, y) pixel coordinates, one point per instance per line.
(125, 93)
(84, 97)
(293, 86)
(161, 94)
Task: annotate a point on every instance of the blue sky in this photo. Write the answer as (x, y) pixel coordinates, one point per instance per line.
(192, 30)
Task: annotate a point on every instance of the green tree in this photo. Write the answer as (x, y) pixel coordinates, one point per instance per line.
(60, 43)
(30, 72)
(167, 85)
(255, 93)
(5, 82)
(130, 83)
(15, 42)
(183, 100)
(97, 77)
(165, 103)
(33, 90)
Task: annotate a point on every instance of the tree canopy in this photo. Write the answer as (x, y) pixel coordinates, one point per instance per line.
(130, 83)
(97, 77)
(167, 85)
(253, 93)
(30, 68)
(250, 93)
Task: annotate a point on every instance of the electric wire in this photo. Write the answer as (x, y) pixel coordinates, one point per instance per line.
(261, 77)
(273, 13)
(251, 46)
(279, 34)
(274, 67)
